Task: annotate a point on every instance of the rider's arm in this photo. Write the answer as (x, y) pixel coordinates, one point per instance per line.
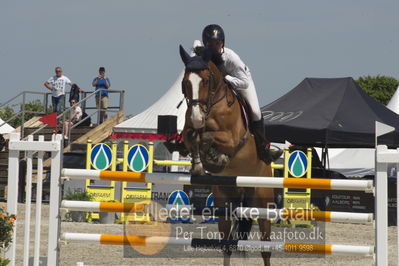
(239, 74)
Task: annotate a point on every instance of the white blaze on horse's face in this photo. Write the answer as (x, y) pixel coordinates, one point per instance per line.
(197, 116)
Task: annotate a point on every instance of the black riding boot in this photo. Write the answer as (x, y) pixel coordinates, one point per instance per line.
(176, 146)
(265, 153)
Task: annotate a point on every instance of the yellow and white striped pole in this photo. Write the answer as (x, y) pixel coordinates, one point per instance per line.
(96, 206)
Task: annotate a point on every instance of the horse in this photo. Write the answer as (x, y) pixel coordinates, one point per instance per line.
(217, 136)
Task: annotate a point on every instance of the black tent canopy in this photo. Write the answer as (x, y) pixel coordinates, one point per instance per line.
(328, 112)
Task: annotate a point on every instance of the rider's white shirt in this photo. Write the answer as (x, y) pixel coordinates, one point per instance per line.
(234, 69)
(239, 76)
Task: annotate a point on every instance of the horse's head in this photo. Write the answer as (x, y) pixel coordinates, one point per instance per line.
(199, 85)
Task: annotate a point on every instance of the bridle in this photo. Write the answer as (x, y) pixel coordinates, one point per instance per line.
(207, 104)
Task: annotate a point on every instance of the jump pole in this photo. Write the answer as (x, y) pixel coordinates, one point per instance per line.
(307, 248)
(241, 212)
(239, 181)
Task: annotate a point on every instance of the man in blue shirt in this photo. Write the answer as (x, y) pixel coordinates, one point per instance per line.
(102, 83)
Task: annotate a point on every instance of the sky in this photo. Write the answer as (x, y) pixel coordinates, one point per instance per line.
(282, 42)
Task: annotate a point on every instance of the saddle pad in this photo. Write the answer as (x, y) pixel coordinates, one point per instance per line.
(244, 108)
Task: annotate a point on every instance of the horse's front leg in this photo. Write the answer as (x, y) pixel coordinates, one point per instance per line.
(192, 142)
(214, 160)
(197, 168)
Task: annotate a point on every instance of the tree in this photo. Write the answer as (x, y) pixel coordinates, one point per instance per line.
(381, 88)
(32, 109)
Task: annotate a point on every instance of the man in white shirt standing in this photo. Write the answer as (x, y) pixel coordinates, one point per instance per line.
(57, 86)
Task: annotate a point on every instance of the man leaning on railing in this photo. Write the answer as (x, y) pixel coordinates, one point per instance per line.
(57, 86)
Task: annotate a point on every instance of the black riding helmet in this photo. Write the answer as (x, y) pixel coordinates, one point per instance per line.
(212, 32)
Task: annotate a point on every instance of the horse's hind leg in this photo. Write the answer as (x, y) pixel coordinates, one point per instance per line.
(221, 197)
(265, 199)
(224, 229)
(265, 229)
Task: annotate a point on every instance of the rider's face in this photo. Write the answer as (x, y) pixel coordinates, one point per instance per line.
(217, 45)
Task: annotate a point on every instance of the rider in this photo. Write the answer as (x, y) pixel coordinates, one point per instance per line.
(237, 74)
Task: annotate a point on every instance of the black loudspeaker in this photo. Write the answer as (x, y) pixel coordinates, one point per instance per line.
(167, 124)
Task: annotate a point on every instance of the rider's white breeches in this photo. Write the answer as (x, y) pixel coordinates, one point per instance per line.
(249, 94)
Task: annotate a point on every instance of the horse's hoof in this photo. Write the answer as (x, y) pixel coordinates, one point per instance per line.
(197, 170)
(216, 166)
(224, 159)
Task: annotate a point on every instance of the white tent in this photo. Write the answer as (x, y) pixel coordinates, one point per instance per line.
(351, 162)
(6, 128)
(146, 122)
(393, 104)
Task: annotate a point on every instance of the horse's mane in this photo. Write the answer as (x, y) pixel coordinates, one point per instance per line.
(215, 71)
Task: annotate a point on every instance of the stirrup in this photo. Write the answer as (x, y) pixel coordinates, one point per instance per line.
(276, 154)
(268, 155)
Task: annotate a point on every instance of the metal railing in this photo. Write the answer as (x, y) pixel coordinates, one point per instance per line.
(45, 103)
(98, 110)
(22, 112)
(83, 102)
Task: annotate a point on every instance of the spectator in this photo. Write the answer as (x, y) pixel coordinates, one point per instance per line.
(57, 85)
(74, 93)
(101, 82)
(76, 115)
(86, 120)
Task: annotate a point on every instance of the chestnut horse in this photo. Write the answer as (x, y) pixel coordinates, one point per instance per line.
(216, 135)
